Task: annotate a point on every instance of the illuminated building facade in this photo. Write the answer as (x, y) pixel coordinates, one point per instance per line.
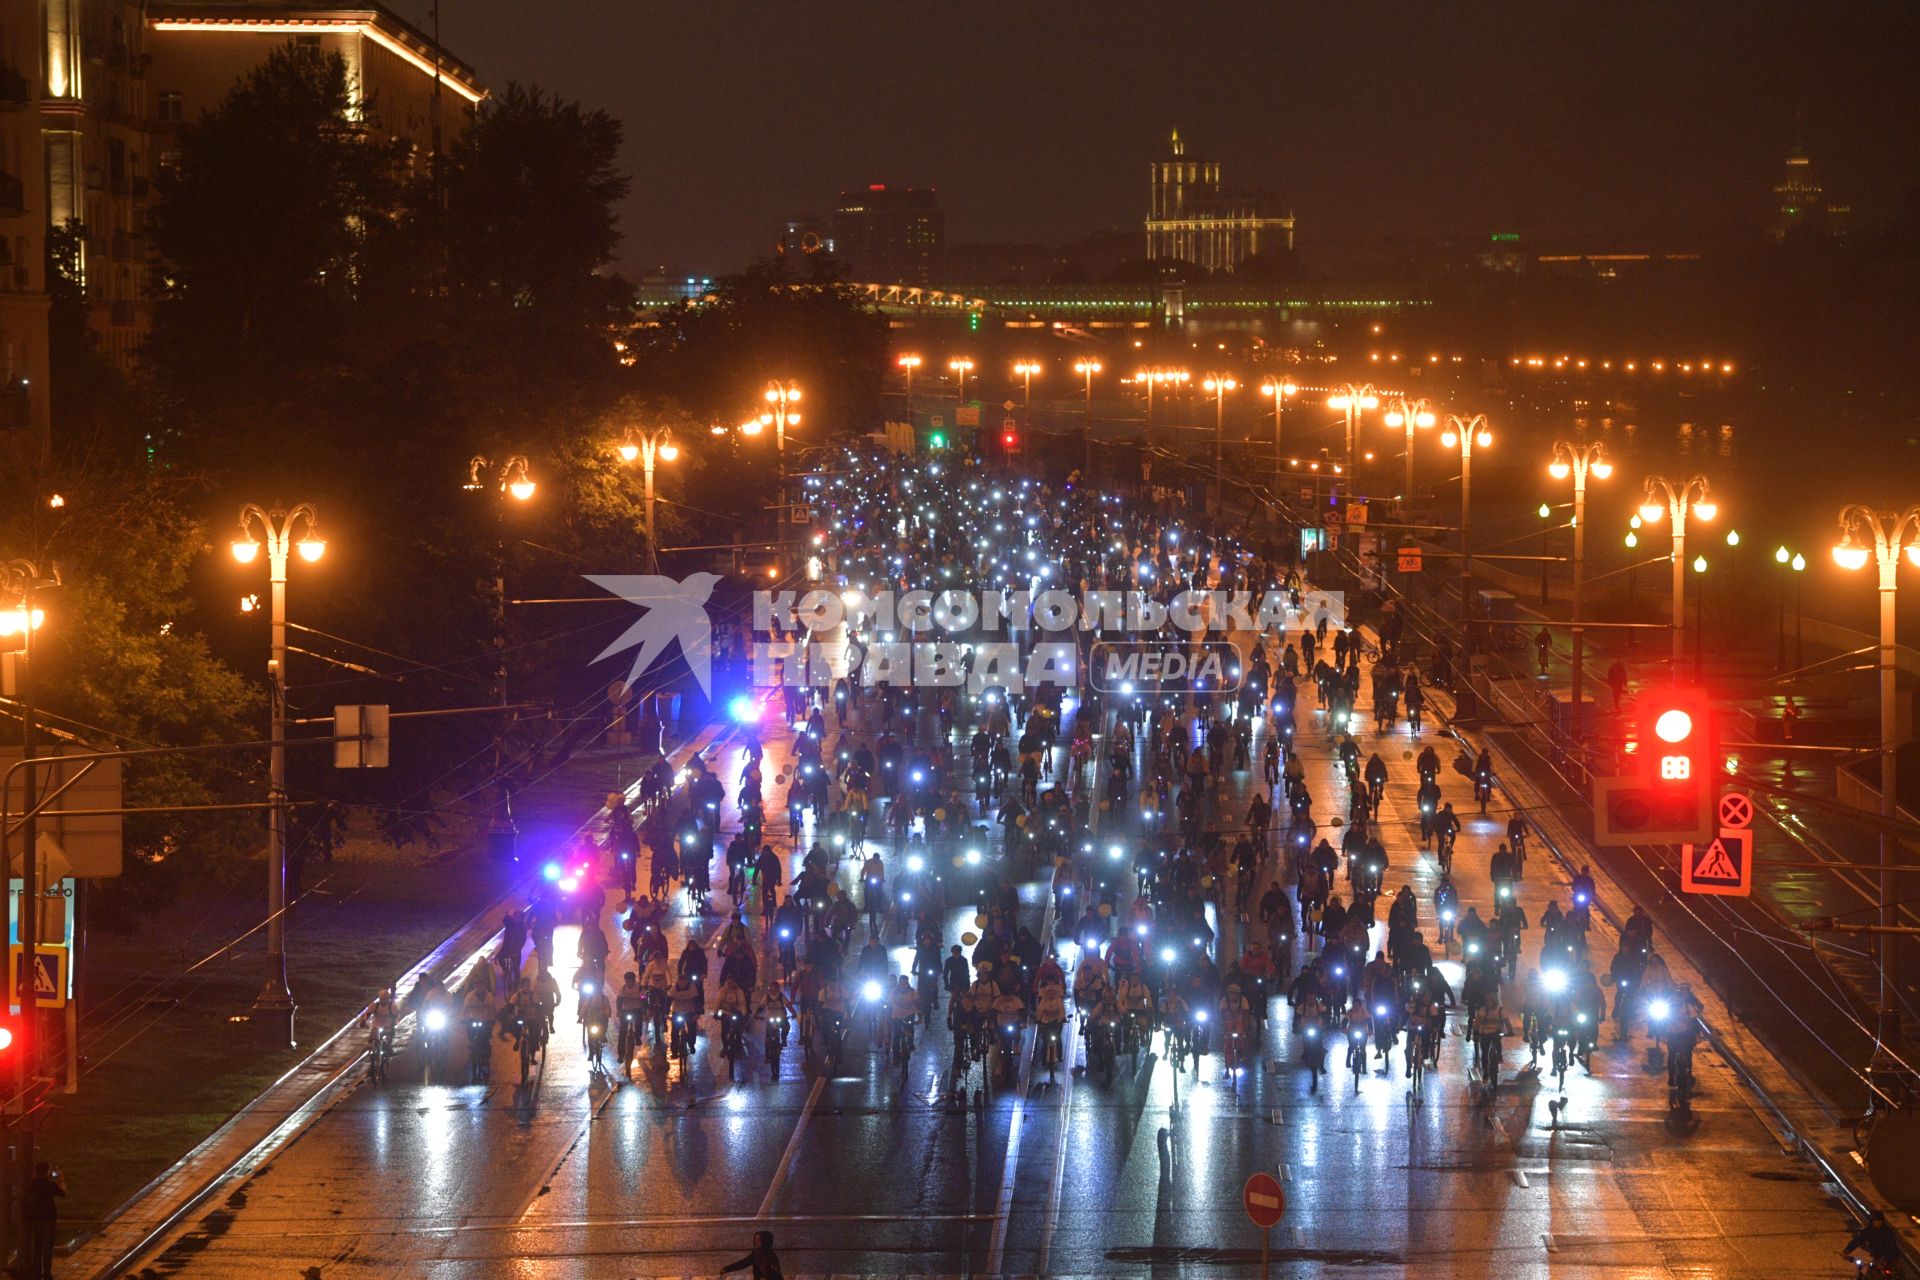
(121, 76)
(1801, 202)
(889, 235)
(1192, 218)
(23, 227)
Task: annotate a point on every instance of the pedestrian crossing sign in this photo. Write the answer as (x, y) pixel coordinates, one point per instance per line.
(1723, 865)
(50, 976)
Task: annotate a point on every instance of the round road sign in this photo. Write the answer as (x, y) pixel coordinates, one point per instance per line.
(1265, 1201)
(1736, 809)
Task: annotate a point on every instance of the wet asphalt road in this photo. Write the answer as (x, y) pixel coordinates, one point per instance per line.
(875, 1174)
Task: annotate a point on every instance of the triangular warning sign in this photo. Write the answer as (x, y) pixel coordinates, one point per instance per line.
(1714, 864)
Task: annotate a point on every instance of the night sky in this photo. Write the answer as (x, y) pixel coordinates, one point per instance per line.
(1036, 120)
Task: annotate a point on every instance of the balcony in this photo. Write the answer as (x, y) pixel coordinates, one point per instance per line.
(13, 196)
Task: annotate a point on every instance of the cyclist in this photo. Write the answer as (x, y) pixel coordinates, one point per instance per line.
(1446, 908)
(1376, 779)
(382, 1016)
(835, 1003)
(1236, 1017)
(631, 1008)
(595, 1012)
(685, 1002)
(1050, 1015)
(1135, 1003)
(1446, 829)
(1681, 1034)
(902, 1011)
(1500, 868)
(1517, 837)
(1483, 779)
(1489, 1025)
(1881, 1243)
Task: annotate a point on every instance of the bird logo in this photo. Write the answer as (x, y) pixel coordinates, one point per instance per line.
(676, 609)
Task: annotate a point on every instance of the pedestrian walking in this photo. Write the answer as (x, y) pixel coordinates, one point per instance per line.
(1617, 681)
(40, 1215)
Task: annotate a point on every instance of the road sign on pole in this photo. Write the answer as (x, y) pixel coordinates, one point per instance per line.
(49, 973)
(1410, 559)
(1736, 810)
(1723, 865)
(1264, 1200)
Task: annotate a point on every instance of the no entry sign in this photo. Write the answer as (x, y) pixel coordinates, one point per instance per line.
(1265, 1200)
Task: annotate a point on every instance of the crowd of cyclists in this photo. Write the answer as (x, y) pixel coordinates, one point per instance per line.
(1176, 917)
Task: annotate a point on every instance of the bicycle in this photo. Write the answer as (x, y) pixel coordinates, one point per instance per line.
(596, 1038)
(733, 1042)
(1357, 1053)
(1562, 1055)
(381, 1054)
(533, 1044)
(479, 1050)
(776, 1041)
(682, 1048)
(1052, 1048)
(900, 1043)
(1417, 1062)
(1680, 1092)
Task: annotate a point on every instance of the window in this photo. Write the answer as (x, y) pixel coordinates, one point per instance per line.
(169, 109)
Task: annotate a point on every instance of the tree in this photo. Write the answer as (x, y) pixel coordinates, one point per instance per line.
(119, 662)
(267, 225)
(531, 191)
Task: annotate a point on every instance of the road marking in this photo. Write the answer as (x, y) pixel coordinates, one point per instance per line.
(1067, 1041)
(793, 1146)
(1003, 1210)
(1519, 1178)
(1548, 1241)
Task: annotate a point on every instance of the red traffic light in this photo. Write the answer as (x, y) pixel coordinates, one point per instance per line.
(1668, 794)
(1009, 439)
(1676, 726)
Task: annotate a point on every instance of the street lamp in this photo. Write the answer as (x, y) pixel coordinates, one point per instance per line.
(1579, 461)
(1677, 502)
(1466, 433)
(782, 394)
(1217, 385)
(1152, 378)
(1869, 535)
(1086, 369)
(1409, 414)
(909, 363)
(1353, 401)
(281, 533)
(511, 480)
(1279, 389)
(1791, 563)
(961, 367)
(647, 446)
(1025, 370)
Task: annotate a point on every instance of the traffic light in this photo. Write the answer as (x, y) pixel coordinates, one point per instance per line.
(13, 1037)
(1670, 795)
(1010, 442)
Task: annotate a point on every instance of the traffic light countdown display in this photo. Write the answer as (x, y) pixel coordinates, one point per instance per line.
(1668, 797)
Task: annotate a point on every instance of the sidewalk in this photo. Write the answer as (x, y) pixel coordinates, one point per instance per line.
(278, 1115)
